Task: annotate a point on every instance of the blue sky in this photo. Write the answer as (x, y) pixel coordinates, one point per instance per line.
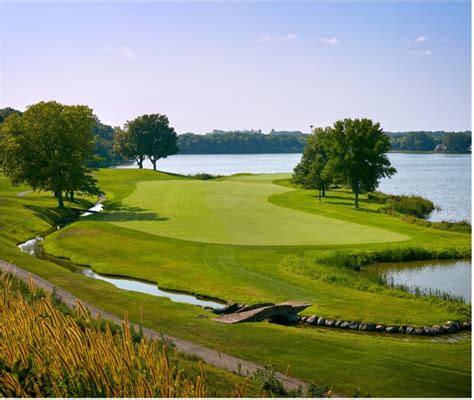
(244, 65)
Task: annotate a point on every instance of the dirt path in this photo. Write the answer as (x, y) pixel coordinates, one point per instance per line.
(212, 357)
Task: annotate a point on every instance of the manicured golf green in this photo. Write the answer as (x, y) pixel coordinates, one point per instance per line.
(237, 211)
(113, 242)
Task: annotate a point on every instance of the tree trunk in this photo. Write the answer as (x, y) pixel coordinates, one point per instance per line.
(153, 161)
(319, 194)
(324, 191)
(140, 162)
(72, 195)
(60, 199)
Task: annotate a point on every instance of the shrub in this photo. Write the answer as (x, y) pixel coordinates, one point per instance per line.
(265, 377)
(204, 176)
(416, 206)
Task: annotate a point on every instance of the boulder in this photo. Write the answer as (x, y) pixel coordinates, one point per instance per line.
(321, 321)
(403, 329)
(466, 325)
(392, 329)
(304, 318)
(438, 330)
(450, 329)
(380, 328)
(338, 323)
(330, 323)
(344, 325)
(418, 331)
(457, 324)
(354, 325)
(312, 320)
(429, 330)
(409, 330)
(367, 326)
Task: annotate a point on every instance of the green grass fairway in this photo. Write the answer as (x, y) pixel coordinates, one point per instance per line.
(237, 211)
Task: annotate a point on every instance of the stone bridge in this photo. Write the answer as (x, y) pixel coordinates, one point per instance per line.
(283, 312)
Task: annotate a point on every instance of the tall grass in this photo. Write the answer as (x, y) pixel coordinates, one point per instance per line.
(47, 353)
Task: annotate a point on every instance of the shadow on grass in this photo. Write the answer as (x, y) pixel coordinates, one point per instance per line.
(116, 212)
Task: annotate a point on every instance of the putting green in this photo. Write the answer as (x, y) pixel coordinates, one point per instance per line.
(235, 211)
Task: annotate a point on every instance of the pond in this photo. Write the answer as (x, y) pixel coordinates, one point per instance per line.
(450, 277)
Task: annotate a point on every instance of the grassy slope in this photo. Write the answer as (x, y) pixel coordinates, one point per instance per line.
(345, 360)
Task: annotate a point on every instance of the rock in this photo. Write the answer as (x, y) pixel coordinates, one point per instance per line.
(354, 325)
(449, 329)
(403, 329)
(321, 321)
(344, 325)
(312, 320)
(466, 325)
(330, 323)
(304, 318)
(409, 330)
(367, 326)
(457, 324)
(438, 330)
(418, 331)
(429, 330)
(392, 329)
(380, 328)
(337, 324)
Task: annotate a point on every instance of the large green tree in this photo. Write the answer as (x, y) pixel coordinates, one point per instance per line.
(48, 147)
(457, 142)
(146, 136)
(358, 153)
(314, 171)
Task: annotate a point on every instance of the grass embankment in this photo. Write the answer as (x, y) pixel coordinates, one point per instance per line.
(346, 361)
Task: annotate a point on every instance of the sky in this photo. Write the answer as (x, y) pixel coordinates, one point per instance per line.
(243, 65)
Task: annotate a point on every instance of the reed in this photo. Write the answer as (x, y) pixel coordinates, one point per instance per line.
(46, 353)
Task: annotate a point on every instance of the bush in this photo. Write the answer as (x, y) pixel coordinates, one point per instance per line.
(265, 377)
(415, 206)
(204, 176)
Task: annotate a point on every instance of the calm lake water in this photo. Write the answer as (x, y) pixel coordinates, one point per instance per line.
(452, 277)
(444, 179)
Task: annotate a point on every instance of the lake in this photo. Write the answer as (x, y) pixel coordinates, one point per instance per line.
(443, 178)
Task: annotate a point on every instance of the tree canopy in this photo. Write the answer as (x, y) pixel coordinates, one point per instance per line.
(48, 147)
(353, 152)
(148, 136)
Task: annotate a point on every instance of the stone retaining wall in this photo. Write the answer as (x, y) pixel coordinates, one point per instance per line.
(446, 328)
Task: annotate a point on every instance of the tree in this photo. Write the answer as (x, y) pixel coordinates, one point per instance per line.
(154, 135)
(358, 152)
(457, 142)
(314, 171)
(48, 146)
(418, 141)
(125, 146)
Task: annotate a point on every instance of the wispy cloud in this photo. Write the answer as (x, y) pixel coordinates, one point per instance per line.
(291, 36)
(121, 51)
(266, 38)
(420, 39)
(270, 37)
(332, 40)
(446, 40)
(421, 52)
